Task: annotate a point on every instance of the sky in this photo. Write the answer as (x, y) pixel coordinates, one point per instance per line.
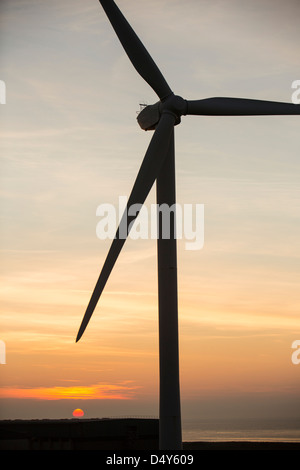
(70, 142)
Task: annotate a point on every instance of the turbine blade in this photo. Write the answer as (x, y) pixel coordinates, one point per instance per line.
(137, 53)
(239, 107)
(149, 170)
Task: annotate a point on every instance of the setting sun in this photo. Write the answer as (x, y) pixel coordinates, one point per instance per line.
(78, 413)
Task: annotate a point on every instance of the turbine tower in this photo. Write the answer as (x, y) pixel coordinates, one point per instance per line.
(159, 165)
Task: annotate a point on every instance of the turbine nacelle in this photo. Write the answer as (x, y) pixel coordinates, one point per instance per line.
(149, 117)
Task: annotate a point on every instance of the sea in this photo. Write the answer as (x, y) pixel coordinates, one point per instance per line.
(237, 430)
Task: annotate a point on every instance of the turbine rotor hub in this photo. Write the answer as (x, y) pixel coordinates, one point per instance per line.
(149, 117)
(175, 105)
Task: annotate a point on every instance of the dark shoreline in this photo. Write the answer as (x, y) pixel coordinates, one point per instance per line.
(125, 434)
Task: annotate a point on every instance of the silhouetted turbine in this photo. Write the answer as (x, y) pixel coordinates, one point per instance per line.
(158, 165)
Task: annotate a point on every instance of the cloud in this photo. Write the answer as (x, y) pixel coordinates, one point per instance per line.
(100, 391)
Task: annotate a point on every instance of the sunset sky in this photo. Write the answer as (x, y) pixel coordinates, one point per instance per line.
(70, 142)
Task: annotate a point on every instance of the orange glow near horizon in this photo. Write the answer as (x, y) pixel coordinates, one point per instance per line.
(99, 392)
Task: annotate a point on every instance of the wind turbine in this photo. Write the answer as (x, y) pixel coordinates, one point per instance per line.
(159, 165)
